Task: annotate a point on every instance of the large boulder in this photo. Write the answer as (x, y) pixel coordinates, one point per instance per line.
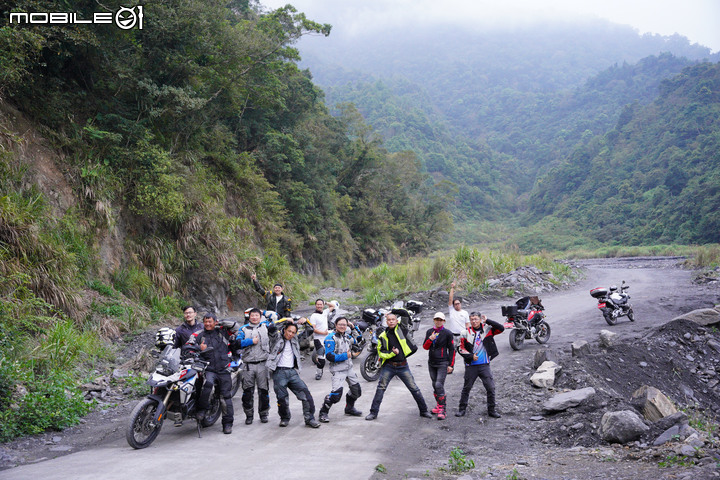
(702, 316)
(622, 427)
(545, 375)
(668, 435)
(653, 404)
(580, 348)
(543, 355)
(563, 401)
(607, 338)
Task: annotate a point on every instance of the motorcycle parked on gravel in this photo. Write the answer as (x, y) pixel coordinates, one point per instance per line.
(371, 324)
(614, 304)
(176, 384)
(373, 321)
(526, 324)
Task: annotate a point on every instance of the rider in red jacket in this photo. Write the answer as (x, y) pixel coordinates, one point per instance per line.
(477, 347)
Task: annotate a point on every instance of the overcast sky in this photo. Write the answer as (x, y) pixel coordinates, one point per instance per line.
(699, 20)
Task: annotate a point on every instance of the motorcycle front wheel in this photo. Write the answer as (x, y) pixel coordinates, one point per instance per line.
(215, 409)
(370, 368)
(517, 338)
(631, 315)
(144, 427)
(543, 334)
(609, 317)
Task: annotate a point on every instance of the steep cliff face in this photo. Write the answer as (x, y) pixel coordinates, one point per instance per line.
(32, 167)
(45, 168)
(20, 137)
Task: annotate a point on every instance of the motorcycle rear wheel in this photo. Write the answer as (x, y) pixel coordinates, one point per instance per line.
(370, 368)
(517, 338)
(609, 318)
(631, 315)
(543, 334)
(143, 428)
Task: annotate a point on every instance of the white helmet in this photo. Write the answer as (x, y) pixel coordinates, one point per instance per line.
(164, 337)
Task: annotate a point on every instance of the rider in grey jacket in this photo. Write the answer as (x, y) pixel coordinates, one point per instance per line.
(284, 363)
(255, 337)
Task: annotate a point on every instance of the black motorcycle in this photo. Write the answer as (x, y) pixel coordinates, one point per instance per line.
(613, 303)
(373, 322)
(176, 385)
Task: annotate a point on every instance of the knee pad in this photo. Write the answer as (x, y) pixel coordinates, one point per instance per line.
(355, 391)
(334, 396)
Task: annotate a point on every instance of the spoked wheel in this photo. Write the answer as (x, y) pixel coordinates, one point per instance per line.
(609, 318)
(543, 334)
(144, 426)
(631, 315)
(215, 410)
(517, 338)
(370, 368)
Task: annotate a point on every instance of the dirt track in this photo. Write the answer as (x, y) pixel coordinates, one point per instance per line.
(406, 445)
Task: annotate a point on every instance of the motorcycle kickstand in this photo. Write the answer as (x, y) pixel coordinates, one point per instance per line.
(198, 429)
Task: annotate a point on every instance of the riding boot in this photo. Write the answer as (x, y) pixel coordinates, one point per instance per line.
(436, 408)
(441, 407)
(350, 398)
(350, 407)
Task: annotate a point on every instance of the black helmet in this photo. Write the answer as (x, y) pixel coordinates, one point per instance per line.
(613, 288)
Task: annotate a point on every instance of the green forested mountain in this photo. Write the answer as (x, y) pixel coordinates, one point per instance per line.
(654, 178)
(526, 133)
(491, 112)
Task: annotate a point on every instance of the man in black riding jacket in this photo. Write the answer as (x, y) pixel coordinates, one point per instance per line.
(275, 299)
(187, 328)
(222, 340)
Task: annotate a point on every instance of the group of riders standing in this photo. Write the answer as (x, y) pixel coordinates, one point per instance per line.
(271, 350)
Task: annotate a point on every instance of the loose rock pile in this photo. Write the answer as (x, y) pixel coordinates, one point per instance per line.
(654, 399)
(710, 277)
(527, 280)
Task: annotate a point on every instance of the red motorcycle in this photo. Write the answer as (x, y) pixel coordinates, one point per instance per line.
(526, 324)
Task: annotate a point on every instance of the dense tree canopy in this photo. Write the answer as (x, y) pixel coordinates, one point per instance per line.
(654, 178)
(202, 138)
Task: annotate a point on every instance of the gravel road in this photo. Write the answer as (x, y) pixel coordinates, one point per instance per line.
(406, 445)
